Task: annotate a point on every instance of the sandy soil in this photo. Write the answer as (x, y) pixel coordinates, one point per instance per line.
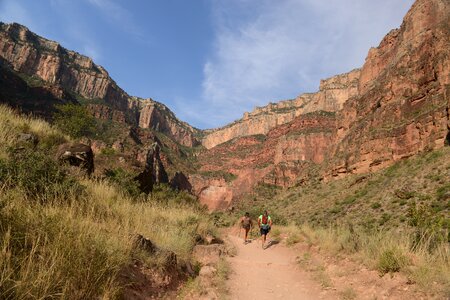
(279, 272)
(272, 273)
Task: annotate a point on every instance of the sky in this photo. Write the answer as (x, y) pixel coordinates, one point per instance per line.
(210, 61)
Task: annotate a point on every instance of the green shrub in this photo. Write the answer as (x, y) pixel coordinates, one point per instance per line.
(108, 151)
(124, 180)
(38, 176)
(375, 205)
(430, 230)
(164, 194)
(390, 261)
(443, 192)
(74, 120)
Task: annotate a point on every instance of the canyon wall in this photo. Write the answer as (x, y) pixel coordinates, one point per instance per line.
(34, 56)
(332, 94)
(397, 105)
(404, 101)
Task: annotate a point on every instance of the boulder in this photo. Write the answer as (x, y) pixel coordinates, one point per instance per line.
(118, 146)
(79, 155)
(208, 254)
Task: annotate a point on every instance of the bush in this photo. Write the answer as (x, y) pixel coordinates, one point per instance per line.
(443, 193)
(375, 205)
(164, 194)
(38, 177)
(74, 120)
(124, 180)
(391, 260)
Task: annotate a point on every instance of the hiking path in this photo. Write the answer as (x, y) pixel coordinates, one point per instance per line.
(270, 273)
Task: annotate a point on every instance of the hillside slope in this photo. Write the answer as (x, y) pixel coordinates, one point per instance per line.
(398, 106)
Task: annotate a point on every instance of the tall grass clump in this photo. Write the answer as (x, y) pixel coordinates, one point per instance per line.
(74, 238)
(388, 251)
(11, 125)
(77, 249)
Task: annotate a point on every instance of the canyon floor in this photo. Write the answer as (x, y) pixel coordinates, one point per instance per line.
(301, 272)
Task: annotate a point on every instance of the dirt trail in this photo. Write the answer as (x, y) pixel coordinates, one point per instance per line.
(269, 274)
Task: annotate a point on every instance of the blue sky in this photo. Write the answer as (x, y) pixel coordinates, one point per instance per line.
(212, 60)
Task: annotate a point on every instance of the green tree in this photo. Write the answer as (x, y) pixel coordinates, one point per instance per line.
(74, 120)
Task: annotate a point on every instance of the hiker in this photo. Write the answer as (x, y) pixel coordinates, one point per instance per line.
(264, 223)
(246, 223)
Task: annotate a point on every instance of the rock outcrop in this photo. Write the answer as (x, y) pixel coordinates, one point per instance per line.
(78, 155)
(157, 116)
(180, 182)
(154, 172)
(333, 93)
(396, 106)
(48, 61)
(404, 101)
(28, 97)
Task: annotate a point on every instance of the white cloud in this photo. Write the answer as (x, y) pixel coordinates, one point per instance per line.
(266, 50)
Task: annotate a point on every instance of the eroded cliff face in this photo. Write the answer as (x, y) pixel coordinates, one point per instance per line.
(32, 55)
(403, 107)
(282, 157)
(333, 93)
(396, 106)
(158, 117)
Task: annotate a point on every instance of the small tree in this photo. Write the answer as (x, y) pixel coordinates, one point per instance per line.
(74, 120)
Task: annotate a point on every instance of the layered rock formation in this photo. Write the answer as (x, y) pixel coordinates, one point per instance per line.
(27, 98)
(404, 101)
(47, 60)
(331, 96)
(396, 106)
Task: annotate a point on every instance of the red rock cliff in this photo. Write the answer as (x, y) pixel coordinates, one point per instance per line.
(33, 55)
(396, 106)
(331, 96)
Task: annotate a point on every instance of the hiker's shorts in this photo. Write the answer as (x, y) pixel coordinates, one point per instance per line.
(264, 231)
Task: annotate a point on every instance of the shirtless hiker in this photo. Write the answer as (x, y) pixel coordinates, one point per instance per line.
(264, 223)
(246, 223)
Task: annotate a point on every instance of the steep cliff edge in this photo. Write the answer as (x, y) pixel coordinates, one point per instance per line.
(332, 94)
(35, 56)
(404, 101)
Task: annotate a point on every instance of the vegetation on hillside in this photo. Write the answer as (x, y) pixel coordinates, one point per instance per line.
(69, 237)
(397, 219)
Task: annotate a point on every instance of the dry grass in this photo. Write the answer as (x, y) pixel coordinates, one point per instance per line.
(397, 219)
(75, 250)
(11, 126)
(74, 243)
(382, 199)
(388, 251)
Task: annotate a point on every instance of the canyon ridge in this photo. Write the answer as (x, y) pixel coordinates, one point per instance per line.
(395, 106)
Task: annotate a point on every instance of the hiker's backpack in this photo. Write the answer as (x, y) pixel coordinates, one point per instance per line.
(264, 221)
